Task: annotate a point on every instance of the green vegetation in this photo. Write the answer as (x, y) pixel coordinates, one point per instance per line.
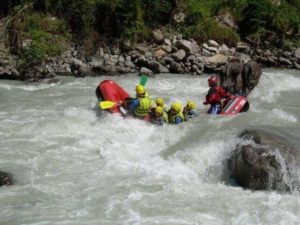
(47, 36)
(135, 19)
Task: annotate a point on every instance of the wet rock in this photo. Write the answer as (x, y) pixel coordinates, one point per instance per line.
(243, 57)
(100, 70)
(250, 76)
(123, 70)
(284, 61)
(269, 162)
(10, 73)
(238, 77)
(176, 67)
(52, 81)
(76, 63)
(179, 55)
(5, 179)
(85, 70)
(63, 70)
(168, 60)
(146, 71)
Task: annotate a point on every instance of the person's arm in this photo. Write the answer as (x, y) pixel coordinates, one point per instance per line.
(178, 120)
(134, 104)
(192, 113)
(160, 122)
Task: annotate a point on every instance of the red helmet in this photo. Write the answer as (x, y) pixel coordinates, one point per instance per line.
(212, 81)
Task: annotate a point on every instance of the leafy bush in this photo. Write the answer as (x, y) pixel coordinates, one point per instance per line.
(211, 29)
(48, 37)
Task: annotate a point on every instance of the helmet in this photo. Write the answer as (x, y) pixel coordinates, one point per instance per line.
(212, 81)
(159, 110)
(159, 102)
(176, 106)
(191, 105)
(140, 90)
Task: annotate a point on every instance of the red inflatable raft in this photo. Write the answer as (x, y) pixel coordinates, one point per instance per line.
(109, 90)
(236, 105)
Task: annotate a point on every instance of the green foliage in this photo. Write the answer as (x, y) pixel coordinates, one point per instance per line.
(134, 19)
(48, 36)
(211, 29)
(260, 18)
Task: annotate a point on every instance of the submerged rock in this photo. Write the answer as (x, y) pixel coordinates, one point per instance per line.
(267, 162)
(5, 179)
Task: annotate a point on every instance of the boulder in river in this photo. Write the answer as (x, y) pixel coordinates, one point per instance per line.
(239, 77)
(266, 160)
(5, 179)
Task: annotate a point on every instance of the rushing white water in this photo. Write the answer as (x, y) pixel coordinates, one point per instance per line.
(74, 165)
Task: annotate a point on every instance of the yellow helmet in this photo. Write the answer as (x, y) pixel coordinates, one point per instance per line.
(176, 106)
(191, 105)
(159, 110)
(140, 90)
(160, 102)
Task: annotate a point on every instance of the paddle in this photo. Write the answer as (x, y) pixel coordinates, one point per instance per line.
(143, 79)
(106, 104)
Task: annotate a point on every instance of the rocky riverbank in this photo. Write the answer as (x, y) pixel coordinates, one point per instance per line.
(162, 55)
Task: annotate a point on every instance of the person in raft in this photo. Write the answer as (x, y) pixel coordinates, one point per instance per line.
(215, 96)
(161, 117)
(189, 110)
(159, 103)
(140, 106)
(175, 114)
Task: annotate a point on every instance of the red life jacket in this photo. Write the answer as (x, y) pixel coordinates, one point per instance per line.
(215, 95)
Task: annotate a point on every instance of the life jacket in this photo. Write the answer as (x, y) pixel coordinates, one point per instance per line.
(165, 117)
(143, 108)
(215, 95)
(189, 113)
(172, 118)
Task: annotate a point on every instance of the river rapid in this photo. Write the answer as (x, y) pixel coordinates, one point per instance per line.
(75, 165)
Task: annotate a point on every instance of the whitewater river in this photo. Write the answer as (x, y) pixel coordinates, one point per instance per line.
(75, 165)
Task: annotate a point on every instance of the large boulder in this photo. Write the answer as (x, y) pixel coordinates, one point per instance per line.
(179, 55)
(187, 46)
(5, 179)
(217, 60)
(266, 159)
(9, 72)
(238, 77)
(250, 76)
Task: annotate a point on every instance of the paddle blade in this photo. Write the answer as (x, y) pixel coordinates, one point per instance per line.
(143, 80)
(106, 104)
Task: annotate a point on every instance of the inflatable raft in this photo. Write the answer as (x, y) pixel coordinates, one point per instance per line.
(109, 90)
(236, 105)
